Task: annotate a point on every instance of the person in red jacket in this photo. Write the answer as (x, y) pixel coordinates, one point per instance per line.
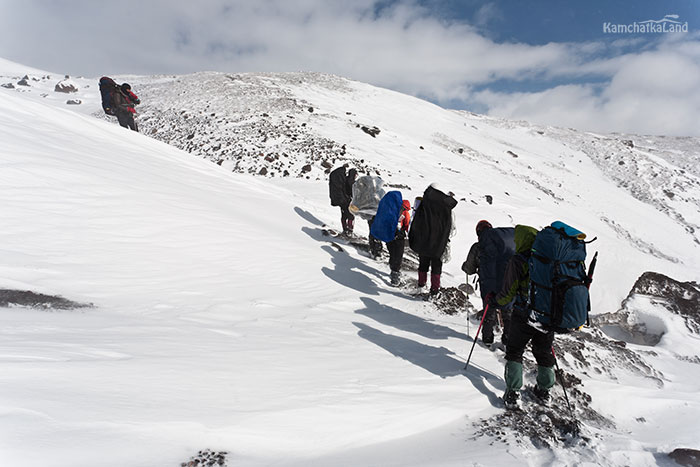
(397, 245)
(124, 102)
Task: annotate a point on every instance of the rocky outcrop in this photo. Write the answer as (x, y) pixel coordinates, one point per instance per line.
(661, 293)
(29, 299)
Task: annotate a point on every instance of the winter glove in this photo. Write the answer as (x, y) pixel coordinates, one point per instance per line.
(491, 299)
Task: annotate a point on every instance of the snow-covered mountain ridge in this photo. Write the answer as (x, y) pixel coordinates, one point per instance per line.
(223, 319)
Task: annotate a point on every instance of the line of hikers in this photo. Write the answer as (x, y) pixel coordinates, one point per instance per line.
(119, 101)
(533, 282)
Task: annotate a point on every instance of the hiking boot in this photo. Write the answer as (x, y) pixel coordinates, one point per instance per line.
(434, 292)
(541, 394)
(395, 278)
(510, 400)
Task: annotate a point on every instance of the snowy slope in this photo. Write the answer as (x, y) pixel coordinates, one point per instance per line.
(223, 319)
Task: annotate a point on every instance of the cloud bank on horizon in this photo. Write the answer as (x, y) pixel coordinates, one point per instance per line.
(624, 83)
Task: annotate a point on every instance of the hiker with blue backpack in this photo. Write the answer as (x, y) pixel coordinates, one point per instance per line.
(547, 283)
(390, 225)
(516, 289)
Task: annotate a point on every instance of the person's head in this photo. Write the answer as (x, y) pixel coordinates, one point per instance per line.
(406, 205)
(482, 225)
(126, 87)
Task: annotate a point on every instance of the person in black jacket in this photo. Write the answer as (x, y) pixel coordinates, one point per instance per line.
(429, 235)
(488, 258)
(340, 189)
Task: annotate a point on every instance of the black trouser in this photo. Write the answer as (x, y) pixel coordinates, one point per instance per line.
(346, 217)
(426, 262)
(126, 119)
(396, 247)
(490, 321)
(375, 245)
(521, 333)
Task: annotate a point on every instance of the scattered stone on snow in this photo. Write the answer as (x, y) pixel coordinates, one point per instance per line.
(373, 131)
(65, 87)
(207, 458)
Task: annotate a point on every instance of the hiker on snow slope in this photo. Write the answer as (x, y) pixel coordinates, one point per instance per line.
(367, 192)
(516, 288)
(488, 258)
(123, 102)
(340, 188)
(390, 225)
(430, 233)
(397, 245)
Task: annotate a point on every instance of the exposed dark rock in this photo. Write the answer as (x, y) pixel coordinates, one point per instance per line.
(306, 168)
(74, 102)
(326, 165)
(512, 154)
(207, 458)
(628, 142)
(489, 199)
(8, 85)
(686, 457)
(23, 82)
(263, 171)
(373, 132)
(421, 147)
(27, 298)
(65, 87)
(311, 109)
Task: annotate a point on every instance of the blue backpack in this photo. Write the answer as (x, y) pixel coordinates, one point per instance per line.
(386, 220)
(559, 299)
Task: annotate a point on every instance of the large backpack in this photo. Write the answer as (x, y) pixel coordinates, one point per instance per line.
(496, 247)
(336, 187)
(107, 87)
(559, 299)
(367, 191)
(386, 221)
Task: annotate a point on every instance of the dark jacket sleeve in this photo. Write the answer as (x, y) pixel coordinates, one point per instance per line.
(471, 265)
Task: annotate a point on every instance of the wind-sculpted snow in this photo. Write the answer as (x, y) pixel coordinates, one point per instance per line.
(655, 306)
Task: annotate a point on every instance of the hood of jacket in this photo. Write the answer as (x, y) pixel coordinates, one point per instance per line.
(524, 238)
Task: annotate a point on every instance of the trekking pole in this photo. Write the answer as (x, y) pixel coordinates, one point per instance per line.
(476, 336)
(466, 304)
(566, 397)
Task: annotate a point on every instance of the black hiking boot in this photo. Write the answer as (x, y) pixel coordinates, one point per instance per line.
(542, 395)
(510, 400)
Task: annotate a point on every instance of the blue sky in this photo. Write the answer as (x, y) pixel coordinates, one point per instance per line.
(545, 61)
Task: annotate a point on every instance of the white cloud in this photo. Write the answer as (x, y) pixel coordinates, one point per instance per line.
(401, 47)
(654, 92)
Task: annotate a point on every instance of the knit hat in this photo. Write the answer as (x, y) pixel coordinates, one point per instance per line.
(482, 225)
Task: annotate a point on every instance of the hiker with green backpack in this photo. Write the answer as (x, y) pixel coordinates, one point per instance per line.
(516, 288)
(547, 281)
